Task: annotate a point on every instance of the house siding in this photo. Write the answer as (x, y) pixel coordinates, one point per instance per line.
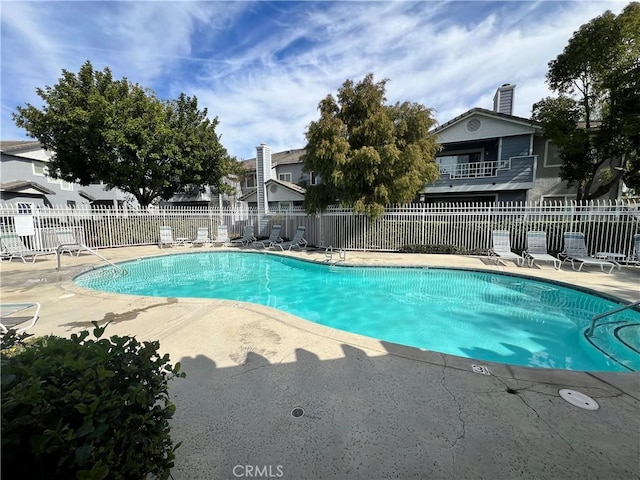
(515, 146)
(21, 167)
(489, 127)
(522, 170)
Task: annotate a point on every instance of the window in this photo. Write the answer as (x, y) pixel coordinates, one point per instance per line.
(315, 179)
(251, 180)
(284, 177)
(42, 170)
(555, 199)
(447, 164)
(551, 155)
(39, 169)
(284, 205)
(71, 203)
(25, 208)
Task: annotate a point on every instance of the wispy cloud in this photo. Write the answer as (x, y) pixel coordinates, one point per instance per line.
(263, 67)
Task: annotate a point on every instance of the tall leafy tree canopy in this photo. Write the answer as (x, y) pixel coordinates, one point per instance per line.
(595, 119)
(118, 133)
(368, 154)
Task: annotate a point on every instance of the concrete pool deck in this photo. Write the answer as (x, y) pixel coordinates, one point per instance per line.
(371, 409)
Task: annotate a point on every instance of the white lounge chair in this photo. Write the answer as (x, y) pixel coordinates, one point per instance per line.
(575, 251)
(537, 250)
(13, 247)
(247, 237)
(166, 236)
(297, 241)
(222, 238)
(69, 243)
(274, 237)
(202, 237)
(501, 248)
(9, 320)
(634, 258)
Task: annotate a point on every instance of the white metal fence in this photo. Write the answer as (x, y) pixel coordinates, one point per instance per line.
(607, 225)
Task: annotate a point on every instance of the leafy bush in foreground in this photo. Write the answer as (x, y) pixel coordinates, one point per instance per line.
(85, 409)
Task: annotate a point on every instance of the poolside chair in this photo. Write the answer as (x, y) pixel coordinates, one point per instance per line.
(274, 237)
(247, 237)
(14, 247)
(68, 242)
(634, 258)
(575, 251)
(8, 320)
(202, 237)
(297, 241)
(537, 250)
(501, 249)
(166, 236)
(222, 238)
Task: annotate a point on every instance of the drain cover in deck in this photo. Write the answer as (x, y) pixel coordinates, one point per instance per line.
(579, 399)
(480, 369)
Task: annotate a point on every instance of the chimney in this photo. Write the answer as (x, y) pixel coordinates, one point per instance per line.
(503, 99)
(263, 173)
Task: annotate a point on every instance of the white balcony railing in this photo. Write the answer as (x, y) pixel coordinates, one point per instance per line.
(475, 169)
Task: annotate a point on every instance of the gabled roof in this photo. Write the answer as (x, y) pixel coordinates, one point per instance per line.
(17, 146)
(22, 185)
(84, 194)
(292, 187)
(246, 196)
(487, 113)
(280, 158)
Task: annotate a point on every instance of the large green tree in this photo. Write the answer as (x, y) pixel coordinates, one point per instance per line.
(118, 133)
(595, 118)
(368, 154)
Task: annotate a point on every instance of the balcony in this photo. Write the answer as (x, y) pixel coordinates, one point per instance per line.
(514, 173)
(474, 170)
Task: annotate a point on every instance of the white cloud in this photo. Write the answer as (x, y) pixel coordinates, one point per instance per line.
(263, 67)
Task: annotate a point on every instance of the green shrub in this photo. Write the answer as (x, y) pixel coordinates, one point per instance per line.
(441, 249)
(85, 409)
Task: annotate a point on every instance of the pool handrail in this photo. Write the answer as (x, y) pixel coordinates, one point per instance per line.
(60, 248)
(589, 332)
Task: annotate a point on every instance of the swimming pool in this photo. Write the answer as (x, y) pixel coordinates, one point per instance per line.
(490, 316)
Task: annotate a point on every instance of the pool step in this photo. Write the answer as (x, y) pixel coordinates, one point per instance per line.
(619, 340)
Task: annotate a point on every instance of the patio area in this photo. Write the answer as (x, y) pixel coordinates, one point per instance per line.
(268, 394)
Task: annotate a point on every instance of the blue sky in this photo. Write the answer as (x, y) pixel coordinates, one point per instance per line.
(263, 67)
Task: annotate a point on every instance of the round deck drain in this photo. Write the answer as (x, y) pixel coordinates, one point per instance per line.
(579, 399)
(297, 412)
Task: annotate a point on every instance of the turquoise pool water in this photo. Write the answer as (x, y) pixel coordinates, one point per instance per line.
(473, 314)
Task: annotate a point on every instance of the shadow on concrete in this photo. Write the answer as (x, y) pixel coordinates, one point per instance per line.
(111, 317)
(386, 416)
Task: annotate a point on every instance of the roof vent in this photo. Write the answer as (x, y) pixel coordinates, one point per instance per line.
(473, 125)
